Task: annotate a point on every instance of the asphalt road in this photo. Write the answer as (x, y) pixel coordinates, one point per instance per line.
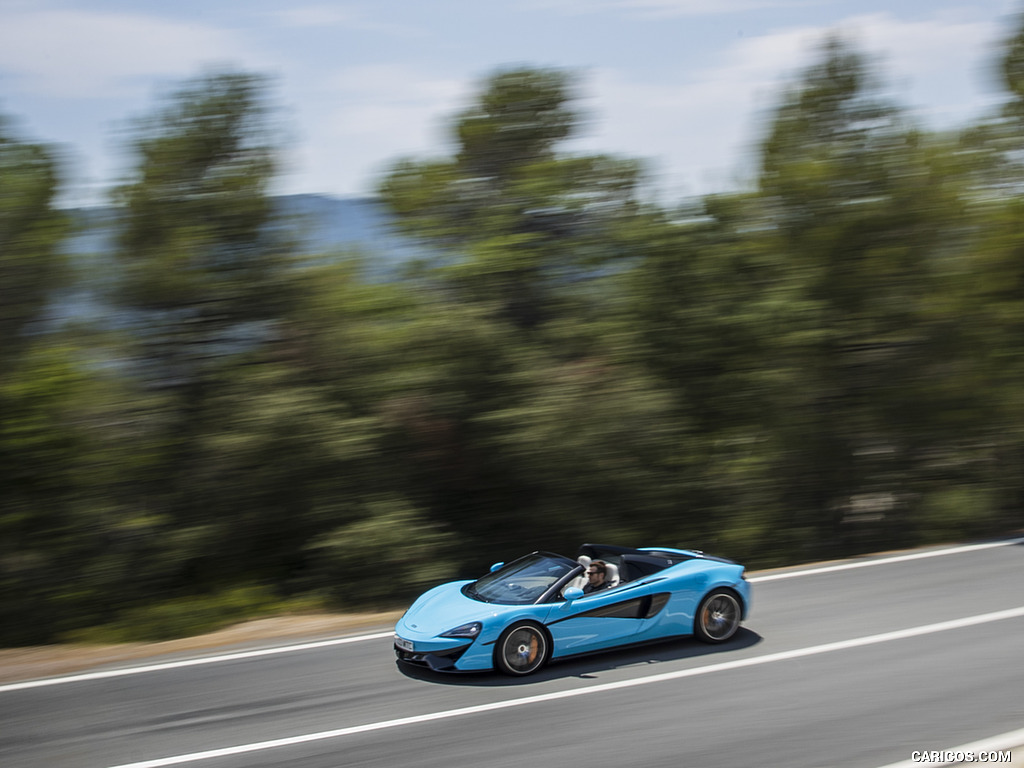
(856, 667)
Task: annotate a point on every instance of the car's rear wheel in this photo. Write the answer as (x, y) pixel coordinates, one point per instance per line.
(718, 616)
(522, 649)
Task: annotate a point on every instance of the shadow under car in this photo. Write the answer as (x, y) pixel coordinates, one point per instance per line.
(584, 665)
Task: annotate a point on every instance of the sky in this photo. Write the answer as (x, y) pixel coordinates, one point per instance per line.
(686, 85)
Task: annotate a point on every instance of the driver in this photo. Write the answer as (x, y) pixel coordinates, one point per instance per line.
(596, 577)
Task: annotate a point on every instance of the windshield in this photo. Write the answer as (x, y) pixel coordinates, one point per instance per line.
(522, 582)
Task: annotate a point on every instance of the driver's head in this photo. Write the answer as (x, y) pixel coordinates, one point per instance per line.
(596, 572)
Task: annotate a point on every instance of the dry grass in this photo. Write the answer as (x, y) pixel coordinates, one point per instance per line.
(54, 660)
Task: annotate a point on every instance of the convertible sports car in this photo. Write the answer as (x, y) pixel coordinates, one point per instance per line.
(523, 614)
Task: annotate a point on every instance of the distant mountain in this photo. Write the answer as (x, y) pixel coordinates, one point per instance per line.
(322, 226)
(363, 225)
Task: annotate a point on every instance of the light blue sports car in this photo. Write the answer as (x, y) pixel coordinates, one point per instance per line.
(523, 614)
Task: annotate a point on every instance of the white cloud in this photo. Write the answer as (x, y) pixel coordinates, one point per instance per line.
(696, 125)
(942, 59)
(395, 83)
(364, 117)
(82, 54)
(700, 128)
(667, 8)
(344, 17)
(318, 16)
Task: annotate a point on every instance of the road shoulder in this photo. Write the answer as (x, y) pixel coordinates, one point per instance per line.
(18, 664)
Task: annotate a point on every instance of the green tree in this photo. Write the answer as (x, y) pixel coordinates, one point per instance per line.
(205, 273)
(291, 448)
(71, 546)
(865, 218)
(1011, 70)
(989, 292)
(39, 443)
(31, 231)
(703, 309)
(517, 221)
(198, 254)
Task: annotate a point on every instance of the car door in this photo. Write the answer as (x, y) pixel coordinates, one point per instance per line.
(673, 599)
(599, 620)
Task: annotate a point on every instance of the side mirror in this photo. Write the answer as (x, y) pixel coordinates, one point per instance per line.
(496, 566)
(572, 593)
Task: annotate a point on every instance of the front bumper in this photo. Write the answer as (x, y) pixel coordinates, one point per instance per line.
(444, 653)
(438, 660)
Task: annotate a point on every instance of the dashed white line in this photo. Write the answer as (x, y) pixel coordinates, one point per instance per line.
(814, 650)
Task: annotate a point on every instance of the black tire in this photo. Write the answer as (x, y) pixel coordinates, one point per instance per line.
(718, 616)
(522, 649)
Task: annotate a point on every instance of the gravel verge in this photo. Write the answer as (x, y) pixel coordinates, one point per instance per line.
(18, 664)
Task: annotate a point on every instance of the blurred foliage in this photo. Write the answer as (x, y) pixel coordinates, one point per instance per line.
(390, 555)
(522, 222)
(31, 231)
(826, 364)
(193, 615)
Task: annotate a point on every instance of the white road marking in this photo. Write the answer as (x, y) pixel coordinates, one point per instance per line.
(379, 635)
(943, 626)
(192, 662)
(1000, 743)
(883, 561)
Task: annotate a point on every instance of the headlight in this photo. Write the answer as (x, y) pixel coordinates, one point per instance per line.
(470, 630)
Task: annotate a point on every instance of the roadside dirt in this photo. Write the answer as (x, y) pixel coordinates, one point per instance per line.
(18, 664)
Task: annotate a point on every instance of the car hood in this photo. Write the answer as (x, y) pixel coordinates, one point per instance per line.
(441, 609)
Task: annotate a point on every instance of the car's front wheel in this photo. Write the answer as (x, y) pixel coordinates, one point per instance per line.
(718, 616)
(522, 649)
